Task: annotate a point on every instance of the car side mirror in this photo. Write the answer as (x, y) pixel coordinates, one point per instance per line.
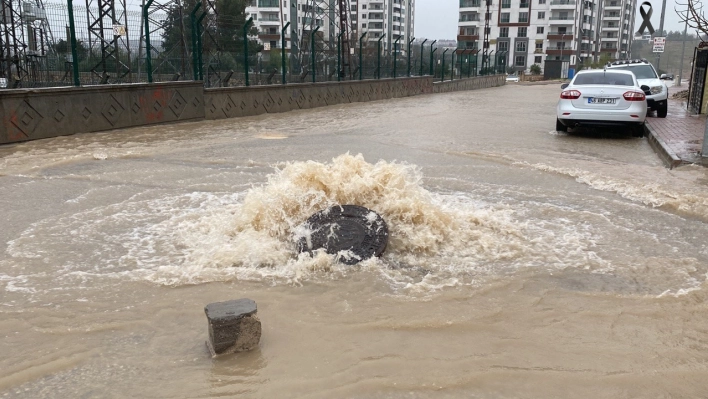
(646, 89)
(564, 85)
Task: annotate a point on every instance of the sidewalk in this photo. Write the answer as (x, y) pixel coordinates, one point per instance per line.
(678, 138)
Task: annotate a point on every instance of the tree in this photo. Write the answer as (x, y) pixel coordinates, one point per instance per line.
(694, 17)
(225, 36)
(535, 69)
(62, 47)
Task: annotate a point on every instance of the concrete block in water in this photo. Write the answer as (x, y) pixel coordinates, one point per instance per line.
(233, 326)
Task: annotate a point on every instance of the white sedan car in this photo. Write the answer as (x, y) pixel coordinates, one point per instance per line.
(603, 98)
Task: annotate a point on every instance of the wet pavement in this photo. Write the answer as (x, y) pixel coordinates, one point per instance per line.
(678, 138)
(521, 262)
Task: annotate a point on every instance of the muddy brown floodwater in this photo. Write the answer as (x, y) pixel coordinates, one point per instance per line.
(522, 263)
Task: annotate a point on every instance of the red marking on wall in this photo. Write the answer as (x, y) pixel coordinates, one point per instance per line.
(154, 104)
(14, 133)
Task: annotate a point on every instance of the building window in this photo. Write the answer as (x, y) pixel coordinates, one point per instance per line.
(506, 4)
(539, 30)
(523, 17)
(541, 1)
(520, 61)
(537, 59)
(505, 17)
(522, 32)
(354, 7)
(363, 25)
(541, 15)
(504, 32)
(502, 46)
(539, 46)
(520, 47)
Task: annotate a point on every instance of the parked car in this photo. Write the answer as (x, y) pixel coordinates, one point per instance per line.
(658, 93)
(602, 98)
(667, 76)
(512, 78)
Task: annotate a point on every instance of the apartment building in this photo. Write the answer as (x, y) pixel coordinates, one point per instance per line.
(392, 18)
(527, 32)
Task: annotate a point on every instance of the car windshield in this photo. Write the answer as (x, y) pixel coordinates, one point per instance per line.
(640, 71)
(603, 78)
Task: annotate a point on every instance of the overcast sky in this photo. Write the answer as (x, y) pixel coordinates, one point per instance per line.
(437, 19)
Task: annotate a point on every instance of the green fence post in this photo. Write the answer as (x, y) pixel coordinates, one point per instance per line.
(339, 57)
(496, 57)
(443, 65)
(489, 62)
(148, 50)
(193, 19)
(74, 53)
(245, 47)
(282, 51)
(395, 56)
(378, 57)
(361, 58)
(199, 45)
(432, 67)
(312, 46)
(421, 57)
(409, 55)
(452, 71)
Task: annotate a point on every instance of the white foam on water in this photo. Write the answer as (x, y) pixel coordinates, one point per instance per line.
(648, 193)
(436, 240)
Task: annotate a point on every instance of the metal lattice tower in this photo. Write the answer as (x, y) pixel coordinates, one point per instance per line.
(102, 17)
(211, 48)
(345, 27)
(25, 41)
(334, 15)
(176, 59)
(487, 29)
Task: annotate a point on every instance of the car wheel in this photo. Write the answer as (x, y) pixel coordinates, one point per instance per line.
(638, 130)
(662, 110)
(560, 127)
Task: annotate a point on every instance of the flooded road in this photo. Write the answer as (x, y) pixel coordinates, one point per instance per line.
(521, 262)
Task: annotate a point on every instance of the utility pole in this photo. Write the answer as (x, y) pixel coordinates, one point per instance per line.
(683, 51)
(661, 31)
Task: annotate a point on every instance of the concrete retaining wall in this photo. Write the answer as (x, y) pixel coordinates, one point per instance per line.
(29, 114)
(247, 101)
(480, 82)
(40, 113)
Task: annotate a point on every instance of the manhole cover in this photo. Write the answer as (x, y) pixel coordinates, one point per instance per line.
(345, 228)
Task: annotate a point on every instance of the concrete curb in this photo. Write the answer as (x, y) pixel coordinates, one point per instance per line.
(670, 159)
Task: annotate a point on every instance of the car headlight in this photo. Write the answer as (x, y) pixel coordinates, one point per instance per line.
(657, 89)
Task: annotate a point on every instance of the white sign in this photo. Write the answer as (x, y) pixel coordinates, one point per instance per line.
(266, 46)
(119, 30)
(659, 44)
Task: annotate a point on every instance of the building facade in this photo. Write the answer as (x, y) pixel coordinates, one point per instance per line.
(527, 32)
(392, 18)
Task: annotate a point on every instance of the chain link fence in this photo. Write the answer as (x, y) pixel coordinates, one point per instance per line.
(187, 40)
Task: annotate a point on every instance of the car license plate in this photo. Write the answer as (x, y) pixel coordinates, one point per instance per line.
(595, 100)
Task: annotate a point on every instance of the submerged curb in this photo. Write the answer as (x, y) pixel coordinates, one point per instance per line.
(670, 159)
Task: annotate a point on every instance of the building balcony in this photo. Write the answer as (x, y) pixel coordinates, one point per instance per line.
(559, 51)
(561, 21)
(611, 28)
(269, 22)
(559, 36)
(467, 38)
(611, 18)
(470, 4)
(609, 38)
(268, 36)
(563, 4)
(608, 49)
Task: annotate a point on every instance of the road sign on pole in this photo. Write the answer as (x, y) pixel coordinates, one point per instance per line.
(659, 44)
